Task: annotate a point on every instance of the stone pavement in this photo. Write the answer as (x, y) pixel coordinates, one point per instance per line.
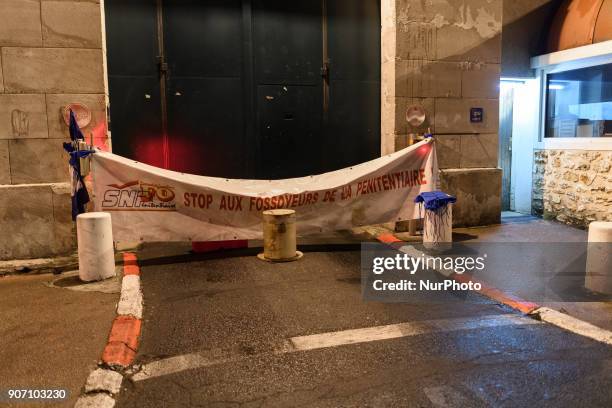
(52, 337)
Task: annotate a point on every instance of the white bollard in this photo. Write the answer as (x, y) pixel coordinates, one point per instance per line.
(96, 251)
(599, 260)
(438, 228)
(279, 236)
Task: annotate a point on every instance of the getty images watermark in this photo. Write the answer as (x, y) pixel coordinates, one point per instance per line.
(410, 264)
(535, 271)
(412, 274)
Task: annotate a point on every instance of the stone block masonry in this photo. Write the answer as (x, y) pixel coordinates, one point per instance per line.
(442, 54)
(573, 186)
(50, 55)
(446, 57)
(35, 220)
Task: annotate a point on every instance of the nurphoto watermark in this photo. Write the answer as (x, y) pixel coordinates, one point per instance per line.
(536, 272)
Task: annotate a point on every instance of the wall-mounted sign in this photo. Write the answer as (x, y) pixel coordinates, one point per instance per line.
(415, 115)
(476, 115)
(81, 112)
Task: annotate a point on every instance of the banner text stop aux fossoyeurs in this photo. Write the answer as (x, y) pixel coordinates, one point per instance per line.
(154, 204)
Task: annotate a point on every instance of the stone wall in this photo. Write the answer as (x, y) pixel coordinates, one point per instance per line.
(446, 57)
(573, 186)
(50, 56)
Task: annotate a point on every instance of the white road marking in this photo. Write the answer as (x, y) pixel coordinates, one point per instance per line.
(184, 362)
(104, 380)
(192, 361)
(546, 314)
(573, 325)
(130, 302)
(95, 401)
(392, 331)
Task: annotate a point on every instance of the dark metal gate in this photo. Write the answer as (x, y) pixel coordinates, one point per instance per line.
(245, 88)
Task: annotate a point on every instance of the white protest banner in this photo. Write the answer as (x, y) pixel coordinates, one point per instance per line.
(153, 204)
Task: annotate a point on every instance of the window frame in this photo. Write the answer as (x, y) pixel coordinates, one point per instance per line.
(562, 61)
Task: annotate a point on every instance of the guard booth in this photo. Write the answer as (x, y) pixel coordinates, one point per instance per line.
(245, 88)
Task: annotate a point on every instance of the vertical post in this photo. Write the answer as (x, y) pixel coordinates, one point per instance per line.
(599, 260)
(279, 233)
(96, 249)
(438, 228)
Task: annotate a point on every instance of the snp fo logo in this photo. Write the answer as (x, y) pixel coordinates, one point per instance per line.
(139, 196)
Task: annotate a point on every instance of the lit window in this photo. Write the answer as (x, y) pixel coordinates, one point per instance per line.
(579, 103)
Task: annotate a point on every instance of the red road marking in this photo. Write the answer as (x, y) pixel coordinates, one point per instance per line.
(499, 295)
(118, 354)
(204, 247)
(122, 342)
(130, 264)
(129, 258)
(388, 238)
(126, 329)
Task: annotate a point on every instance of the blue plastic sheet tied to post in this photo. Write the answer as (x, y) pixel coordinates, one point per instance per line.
(80, 196)
(435, 200)
(436, 204)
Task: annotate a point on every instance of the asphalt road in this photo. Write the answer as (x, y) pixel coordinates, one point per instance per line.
(50, 337)
(232, 319)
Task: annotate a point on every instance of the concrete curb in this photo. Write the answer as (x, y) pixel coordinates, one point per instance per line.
(104, 383)
(572, 324)
(530, 309)
(39, 266)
